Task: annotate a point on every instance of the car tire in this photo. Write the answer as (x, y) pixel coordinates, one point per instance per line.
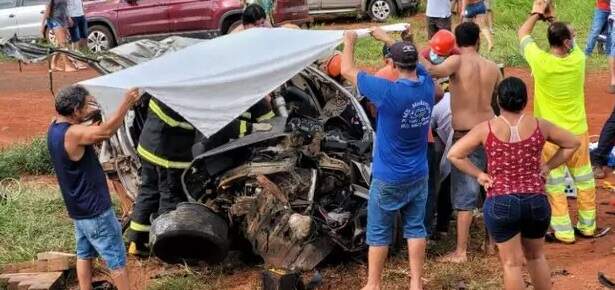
(191, 233)
(381, 10)
(232, 26)
(100, 39)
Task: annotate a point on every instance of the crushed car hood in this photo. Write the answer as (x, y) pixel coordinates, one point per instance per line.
(211, 83)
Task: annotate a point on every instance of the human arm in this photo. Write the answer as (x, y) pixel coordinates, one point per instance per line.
(380, 35)
(82, 135)
(566, 142)
(458, 154)
(349, 70)
(445, 69)
(528, 26)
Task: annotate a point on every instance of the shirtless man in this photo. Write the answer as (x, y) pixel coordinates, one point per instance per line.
(473, 80)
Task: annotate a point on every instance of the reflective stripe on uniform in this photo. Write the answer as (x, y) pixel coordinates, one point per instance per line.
(561, 223)
(151, 157)
(587, 217)
(137, 227)
(166, 118)
(243, 128)
(266, 116)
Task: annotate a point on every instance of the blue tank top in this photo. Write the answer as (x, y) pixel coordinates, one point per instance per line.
(83, 183)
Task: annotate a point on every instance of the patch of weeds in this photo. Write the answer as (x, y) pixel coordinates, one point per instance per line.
(33, 220)
(189, 279)
(27, 158)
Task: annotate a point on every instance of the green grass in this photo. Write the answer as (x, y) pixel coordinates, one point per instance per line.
(26, 158)
(509, 15)
(33, 220)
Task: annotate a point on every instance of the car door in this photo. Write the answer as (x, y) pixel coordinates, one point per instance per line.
(339, 4)
(30, 18)
(142, 17)
(8, 19)
(190, 15)
(314, 4)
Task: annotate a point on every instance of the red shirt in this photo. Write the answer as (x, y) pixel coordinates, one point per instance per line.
(603, 5)
(515, 167)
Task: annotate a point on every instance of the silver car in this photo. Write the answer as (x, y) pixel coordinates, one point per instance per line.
(378, 10)
(22, 18)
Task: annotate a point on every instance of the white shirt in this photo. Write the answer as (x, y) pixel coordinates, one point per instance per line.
(75, 8)
(438, 8)
(441, 122)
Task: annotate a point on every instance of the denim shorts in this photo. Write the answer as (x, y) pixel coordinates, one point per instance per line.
(465, 189)
(612, 40)
(475, 9)
(79, 30)
(386, 200)
(101, 236)
(511, 214)
(53, 23)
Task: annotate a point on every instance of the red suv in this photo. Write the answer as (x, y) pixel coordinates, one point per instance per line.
(116, 21)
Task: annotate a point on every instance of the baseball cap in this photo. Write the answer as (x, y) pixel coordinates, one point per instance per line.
(404, 54)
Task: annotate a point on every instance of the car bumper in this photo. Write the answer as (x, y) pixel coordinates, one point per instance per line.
(407, 4)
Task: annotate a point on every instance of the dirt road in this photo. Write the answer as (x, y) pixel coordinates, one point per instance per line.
(27, 108)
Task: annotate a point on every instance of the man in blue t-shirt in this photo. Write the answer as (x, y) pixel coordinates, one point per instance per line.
(399, 177)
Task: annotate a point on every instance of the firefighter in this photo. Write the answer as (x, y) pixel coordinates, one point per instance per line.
(165, 151)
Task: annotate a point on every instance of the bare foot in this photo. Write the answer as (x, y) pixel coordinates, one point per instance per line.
(454, 257)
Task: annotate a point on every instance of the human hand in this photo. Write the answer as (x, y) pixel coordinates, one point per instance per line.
(132, 96)
(407, 34)
(485, 180)
(70, 22)
(540, 6)
(544, 171)
(350, 37)
(378, 34)
(549, 14)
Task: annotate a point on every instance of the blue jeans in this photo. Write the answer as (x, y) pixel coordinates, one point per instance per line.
(511, 214)
(386, 200)
(101, 236)
(600, 18)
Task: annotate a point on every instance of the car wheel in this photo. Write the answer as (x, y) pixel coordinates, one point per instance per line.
(381, 10)
(232, 26)
(100, 39)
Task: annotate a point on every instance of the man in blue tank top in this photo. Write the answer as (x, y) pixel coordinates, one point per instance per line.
(83, 183)
(399, 171)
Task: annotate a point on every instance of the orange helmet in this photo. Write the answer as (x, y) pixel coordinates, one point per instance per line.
(334, 65)
(443, 42)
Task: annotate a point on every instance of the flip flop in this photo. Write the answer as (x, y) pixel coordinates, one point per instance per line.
(604, 281)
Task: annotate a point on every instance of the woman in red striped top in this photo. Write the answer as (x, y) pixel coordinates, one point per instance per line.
(517, 212)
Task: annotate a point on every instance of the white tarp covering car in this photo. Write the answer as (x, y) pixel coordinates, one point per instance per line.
(212, 82)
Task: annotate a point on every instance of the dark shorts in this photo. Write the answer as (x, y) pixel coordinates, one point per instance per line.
(434, 24)
(465, 189)
(475, 9)
(79, 30)
(511, 214)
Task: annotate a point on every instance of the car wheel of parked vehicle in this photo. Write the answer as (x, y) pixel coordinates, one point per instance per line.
(380, 10)
(232, 26)
(100, 39)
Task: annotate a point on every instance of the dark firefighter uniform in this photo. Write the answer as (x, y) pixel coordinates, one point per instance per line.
(165, 151)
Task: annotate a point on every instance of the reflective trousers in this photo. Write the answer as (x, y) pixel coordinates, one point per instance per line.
(580, 169)
(160, 193)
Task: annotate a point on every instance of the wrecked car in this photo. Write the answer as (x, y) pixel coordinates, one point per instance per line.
(296, 192)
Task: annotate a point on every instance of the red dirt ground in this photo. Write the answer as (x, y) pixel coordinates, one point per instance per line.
(26, 110)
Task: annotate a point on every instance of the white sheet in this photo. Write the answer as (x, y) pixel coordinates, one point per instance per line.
(212, 82)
